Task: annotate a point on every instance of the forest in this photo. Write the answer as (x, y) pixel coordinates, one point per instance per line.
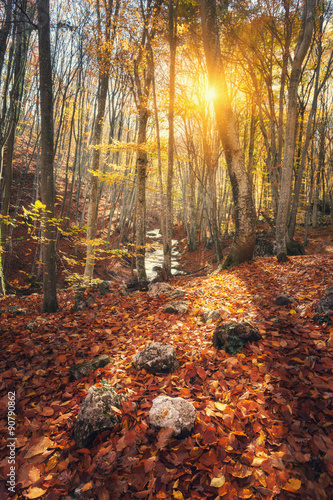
(166, 188)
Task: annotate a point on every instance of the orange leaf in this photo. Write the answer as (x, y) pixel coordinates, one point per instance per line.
(34, 493)
(40, 447)
(292, 485)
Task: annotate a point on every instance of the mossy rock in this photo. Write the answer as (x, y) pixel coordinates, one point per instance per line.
(84, 369)
(232, 336)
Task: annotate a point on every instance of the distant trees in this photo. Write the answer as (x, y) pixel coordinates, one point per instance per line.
(139, 124)
(302, 47)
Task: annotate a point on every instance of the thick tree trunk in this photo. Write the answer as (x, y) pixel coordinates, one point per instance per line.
(50, 303)
(303, 44)
(245, 216)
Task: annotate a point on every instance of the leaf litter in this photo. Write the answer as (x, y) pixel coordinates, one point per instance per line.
(264, 415)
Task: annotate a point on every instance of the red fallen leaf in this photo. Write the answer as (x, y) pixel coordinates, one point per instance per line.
(103, 494)
(129, 438)
(149, 464)
(209, 458)
(61, 358)
(28, 474)
(241, 470)
(47, 411)
(163, 438)
(201, 372)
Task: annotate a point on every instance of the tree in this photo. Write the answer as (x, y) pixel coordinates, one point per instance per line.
(142, 78)
(104, 50)
(303, 44)
(50, 302)
(245, 216)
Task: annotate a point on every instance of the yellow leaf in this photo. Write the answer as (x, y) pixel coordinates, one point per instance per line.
(34, 493)
(292, 485)
(150, 318)
(116, 410)
(245, 493)
(292, 311)
(52, 463)
(178, 495)
(217, 482)
(220, 406)
(87, 486)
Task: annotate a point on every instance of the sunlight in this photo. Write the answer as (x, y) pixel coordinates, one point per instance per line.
(210, 93)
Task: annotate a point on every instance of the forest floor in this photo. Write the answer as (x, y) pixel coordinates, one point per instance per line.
(264, 427)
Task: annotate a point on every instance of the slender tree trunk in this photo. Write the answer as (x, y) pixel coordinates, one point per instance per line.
(50, 302)
(141, 169)
(171, 144)
(303, 44)
(94, 181)
(245, 216)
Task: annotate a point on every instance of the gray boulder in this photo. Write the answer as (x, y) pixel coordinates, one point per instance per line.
(96, 414)
(83, 369)
(155, 358)
(325, 304)
(177, 307)
(284, 299)
(157, 289)
(175, 413)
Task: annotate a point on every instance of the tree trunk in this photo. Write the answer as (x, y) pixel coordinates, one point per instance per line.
(94, 182)
(171, 144)
(50, 302)
(303, 44)
(141, 168)
(245, 216)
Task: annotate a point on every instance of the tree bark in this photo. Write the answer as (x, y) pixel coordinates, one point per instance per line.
(245, 216)
(50, 302)
(303, 44)
(141, 172)
(171, 143)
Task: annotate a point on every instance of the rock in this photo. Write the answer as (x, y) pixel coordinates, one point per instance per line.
(232, 336)
(295, 248)
(83, 369)
(177, 307)
(211, 315)
(283, 299)
(264, 245)
(155, 358)
(177, 293)
(157, 289)
(175, 413)
(325, 304)
(96, 414)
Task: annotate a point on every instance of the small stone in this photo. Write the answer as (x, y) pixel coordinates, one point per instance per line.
(284, 299)
(83, 369)
(232, 336)
(177, 307)
(156, 358)
(211, 315)
(96, 414)
(175, 413)
(157, 289)
(325, 304)
(178, 293)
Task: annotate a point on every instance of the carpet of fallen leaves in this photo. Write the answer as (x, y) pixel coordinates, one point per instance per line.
(264, 426)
